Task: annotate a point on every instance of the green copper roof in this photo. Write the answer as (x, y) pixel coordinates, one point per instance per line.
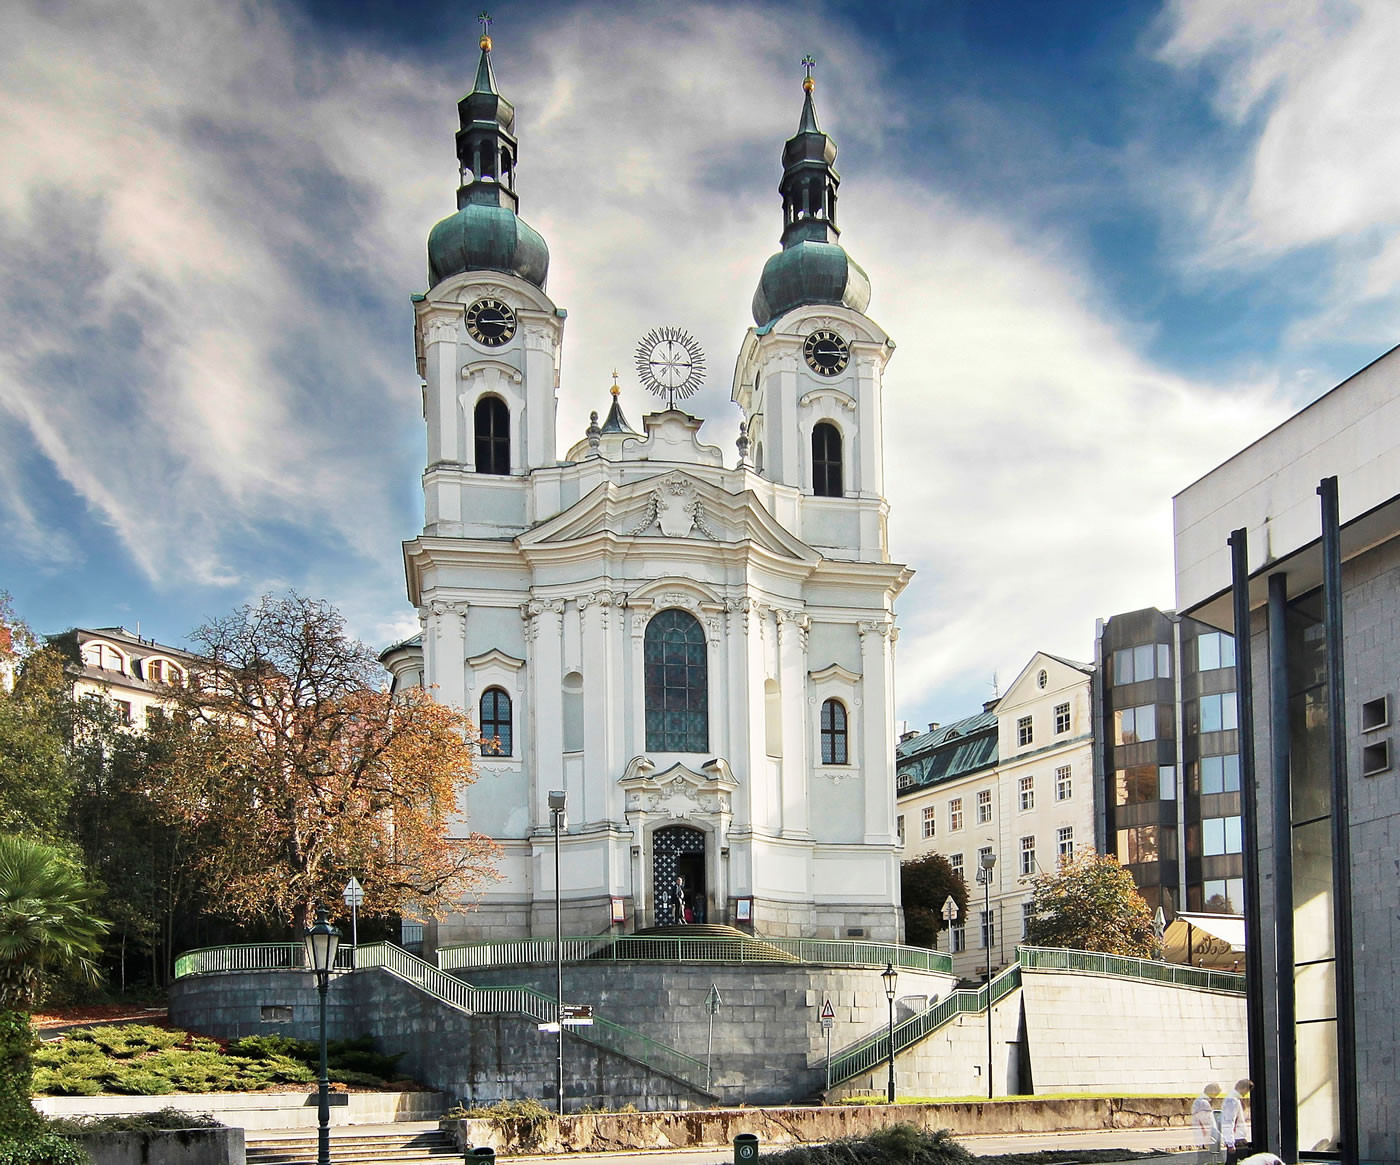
(481, 237)
(809, 272)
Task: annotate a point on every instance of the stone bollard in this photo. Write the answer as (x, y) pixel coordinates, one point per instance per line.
(745, 1149)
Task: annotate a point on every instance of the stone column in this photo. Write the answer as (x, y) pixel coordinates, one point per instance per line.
(634, 699)
(792, 678)
(603, 798)
(447, 623)
(877, 730)
(544, 646)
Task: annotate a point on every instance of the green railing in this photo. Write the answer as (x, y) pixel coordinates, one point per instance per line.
(682, 949)
(874, 1049)
(452, 992)
(1055, 959)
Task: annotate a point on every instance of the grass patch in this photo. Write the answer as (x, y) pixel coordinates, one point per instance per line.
(139, 1060)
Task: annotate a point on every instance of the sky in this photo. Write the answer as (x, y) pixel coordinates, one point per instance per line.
(1113, 242)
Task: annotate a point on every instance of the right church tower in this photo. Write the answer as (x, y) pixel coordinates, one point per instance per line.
(809, 373)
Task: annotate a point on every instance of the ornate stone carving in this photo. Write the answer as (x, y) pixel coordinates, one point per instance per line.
(879, 627)
(440, 327)
(791, 622)
(836, 775)
(539, 337)
(603, 601)
(675, 506)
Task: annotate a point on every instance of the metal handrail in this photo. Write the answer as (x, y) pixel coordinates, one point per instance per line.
(874, 1049)
(1094, 962)
(452, 992)
(685, 949)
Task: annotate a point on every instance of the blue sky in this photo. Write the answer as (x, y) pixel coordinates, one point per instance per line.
(1114, 243)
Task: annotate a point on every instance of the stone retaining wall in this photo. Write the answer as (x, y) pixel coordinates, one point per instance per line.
(260, 1110)
(166, 1147)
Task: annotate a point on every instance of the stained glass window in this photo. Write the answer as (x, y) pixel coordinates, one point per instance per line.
(495, 722)
(834, 733)
(677, 685)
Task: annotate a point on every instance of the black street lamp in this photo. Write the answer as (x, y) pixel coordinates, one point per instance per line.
(557, 821)
(890, 976)
(984, 875)
(322, 943)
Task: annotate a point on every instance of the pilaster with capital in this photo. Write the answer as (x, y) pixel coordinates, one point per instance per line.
(793, 626)
(541, 336)
(877, 726)
(599, 612)
(446, 627)
(544, 651)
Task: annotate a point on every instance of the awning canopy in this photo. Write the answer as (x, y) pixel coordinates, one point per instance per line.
(1206, 940)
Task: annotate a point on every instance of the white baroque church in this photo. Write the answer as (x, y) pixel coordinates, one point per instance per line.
(699, 654)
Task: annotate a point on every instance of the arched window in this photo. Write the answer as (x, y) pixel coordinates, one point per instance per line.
(492, 435)
(677, 684)
(834, 751)
(495, 722)
(826, 461)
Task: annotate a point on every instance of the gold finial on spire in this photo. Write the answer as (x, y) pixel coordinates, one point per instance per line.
(809, 63)
(485, 19)
(615, 390)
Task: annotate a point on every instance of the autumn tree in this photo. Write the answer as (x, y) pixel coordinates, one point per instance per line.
(1091, 903)
(300, 770)
(925, 884)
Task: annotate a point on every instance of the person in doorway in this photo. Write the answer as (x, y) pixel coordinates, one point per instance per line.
(1207, 1132)
(678, 906)
(697, 909)
(1233, 1133)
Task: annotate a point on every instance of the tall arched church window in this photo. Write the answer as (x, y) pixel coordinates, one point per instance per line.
(677, 684)
(495, 725)
(834, 750)
(826, 460)
(492, 420)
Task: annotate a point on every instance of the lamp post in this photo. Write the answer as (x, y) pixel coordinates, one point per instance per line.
(890, 976)
(984, 875)
(322, 943)
(557, 801)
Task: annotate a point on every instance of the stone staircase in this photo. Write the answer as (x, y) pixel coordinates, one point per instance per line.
(415, 1143)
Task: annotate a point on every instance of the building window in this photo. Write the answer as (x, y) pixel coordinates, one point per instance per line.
(899, 829)
(1027, 917)
(495, 722)
(123, 708)
(492, 422)
(1027, 856)
(905, 781)
(1166, 782)
(984, 806)
(1220, 774)
(1025, 789)
(1024, 735)
(834, 733)
(1145, 843)
(1134, 725)
(1219, 712)
(1064, 842)
(955, 816)
(930, 820)
(1064, 784)
(956, 861)
(1147, 661)
(983, 852)
(155, 671)
(1215, 650)
(826, 460)
(1224, 895)
(989, 930)
(1042, 678)
(1061, 719)
(1221, 835)
(677, 683)
(959, 938)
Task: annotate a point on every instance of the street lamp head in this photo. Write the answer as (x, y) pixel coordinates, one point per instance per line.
(988, 861)
(890, 976)
(557, 798)
(322, 943)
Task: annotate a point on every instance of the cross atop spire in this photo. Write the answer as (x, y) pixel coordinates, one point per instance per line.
(809, 63)
(485, 19)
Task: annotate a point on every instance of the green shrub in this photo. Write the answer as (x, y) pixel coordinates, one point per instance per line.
(43, 1148)
(48, 1082)
(896, 1145)
(140, 1122)
(356, 1079)
(141, 1084)
(266, 1047)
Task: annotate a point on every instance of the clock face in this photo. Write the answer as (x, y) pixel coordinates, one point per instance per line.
(490, 322)
(826, 353)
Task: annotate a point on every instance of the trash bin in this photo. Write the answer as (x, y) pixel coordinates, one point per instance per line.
(745, 1149)
(483, 1153)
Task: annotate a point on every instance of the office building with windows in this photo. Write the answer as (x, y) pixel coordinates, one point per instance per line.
(1014, 781)
(1167, 759)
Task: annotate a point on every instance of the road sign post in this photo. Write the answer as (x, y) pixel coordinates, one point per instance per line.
(713, 1003)
(828, 1021)
(950, 916)
(354, 895)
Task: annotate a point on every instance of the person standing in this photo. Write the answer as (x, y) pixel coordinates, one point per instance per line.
(1232, 1123)
(1207, 1132)
(678, 899)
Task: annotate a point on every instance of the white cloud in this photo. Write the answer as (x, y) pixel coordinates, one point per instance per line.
(245, 213)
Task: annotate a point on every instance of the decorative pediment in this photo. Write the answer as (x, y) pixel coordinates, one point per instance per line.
(834, 672)
(495, 658)
(678, 792)
(676, 504)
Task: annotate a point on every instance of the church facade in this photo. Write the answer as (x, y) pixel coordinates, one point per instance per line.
(696, 649)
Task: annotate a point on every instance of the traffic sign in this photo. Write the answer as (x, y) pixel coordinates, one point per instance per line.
(950, 909)
(828, 1014)
(577, 1015)
(713, 1002)
(354, 894)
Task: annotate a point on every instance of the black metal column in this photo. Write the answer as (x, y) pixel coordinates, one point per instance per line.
(1341, 822)
(1286, 1090)
(1259, 1044)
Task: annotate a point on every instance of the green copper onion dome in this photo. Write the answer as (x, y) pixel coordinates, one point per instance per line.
(486, 233)
(812, 267)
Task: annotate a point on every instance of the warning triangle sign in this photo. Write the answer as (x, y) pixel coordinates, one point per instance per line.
(828, 1012)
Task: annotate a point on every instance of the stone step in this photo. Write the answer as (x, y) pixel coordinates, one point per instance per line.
(416, 1148)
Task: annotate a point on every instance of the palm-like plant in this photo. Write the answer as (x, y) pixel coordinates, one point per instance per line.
(46, 924)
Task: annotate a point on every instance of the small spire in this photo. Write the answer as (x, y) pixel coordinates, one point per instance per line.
(485, 74)
(615, 389)
(485, 19)
(809, 63)
(809, 123)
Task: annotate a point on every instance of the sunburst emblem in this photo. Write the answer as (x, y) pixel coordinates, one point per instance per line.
(671, 364)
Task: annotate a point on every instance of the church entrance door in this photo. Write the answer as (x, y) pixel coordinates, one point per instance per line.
(678, 851)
